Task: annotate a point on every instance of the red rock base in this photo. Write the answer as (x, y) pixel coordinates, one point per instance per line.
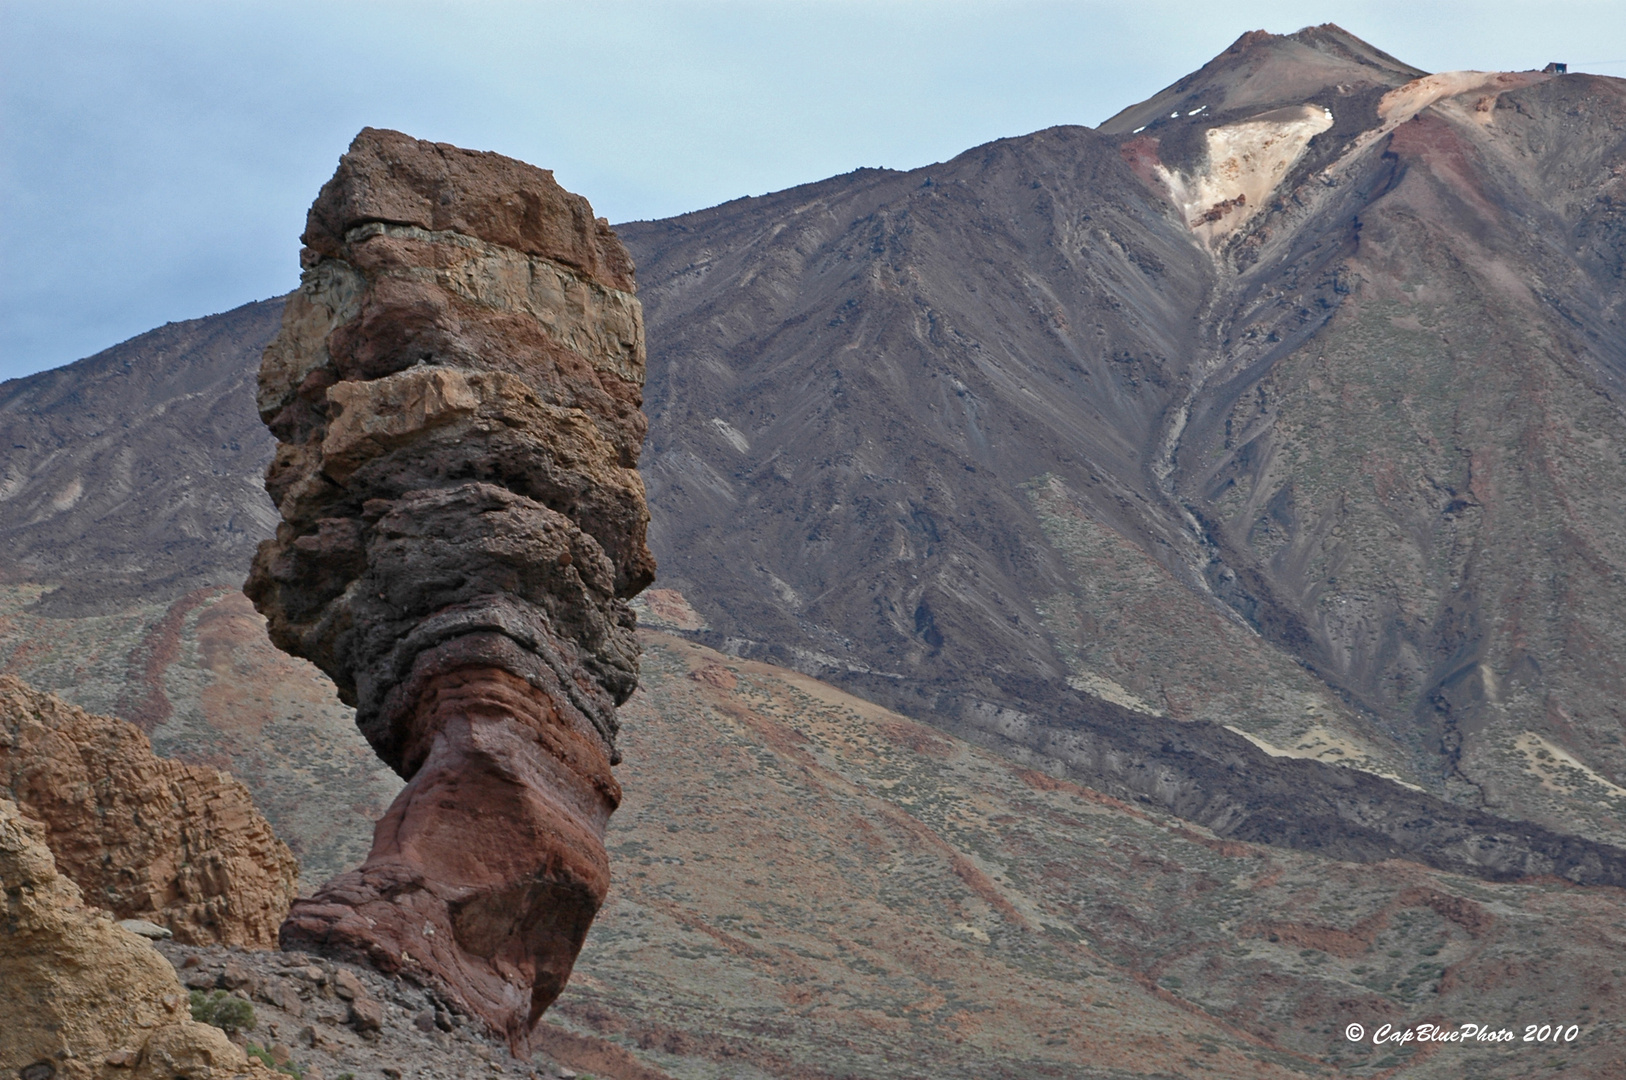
(488, 868)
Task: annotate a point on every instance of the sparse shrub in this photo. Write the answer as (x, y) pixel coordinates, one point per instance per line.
(226, 1012)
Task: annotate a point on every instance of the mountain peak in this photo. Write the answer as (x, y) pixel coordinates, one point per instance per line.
(1262, 71)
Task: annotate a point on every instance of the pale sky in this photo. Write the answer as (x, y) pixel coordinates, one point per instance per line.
(156, 158)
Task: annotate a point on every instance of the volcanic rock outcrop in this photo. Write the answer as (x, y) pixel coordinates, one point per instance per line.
(175, 844)
(456, 392)
(81, 996)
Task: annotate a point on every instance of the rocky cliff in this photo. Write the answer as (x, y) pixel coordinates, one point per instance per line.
(455, 391)
(178, 845)
(81, 997)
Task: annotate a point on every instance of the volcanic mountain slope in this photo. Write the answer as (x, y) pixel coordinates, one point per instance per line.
(132, 500)
(1287, 400)
(138, 473)
(1043, 446)
(811, 886)
(808, 886)
(199, 676)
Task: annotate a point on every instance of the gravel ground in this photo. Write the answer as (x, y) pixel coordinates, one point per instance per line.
(322, 1020)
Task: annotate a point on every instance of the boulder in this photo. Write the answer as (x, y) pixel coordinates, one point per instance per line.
(176, 845)
(82, 997)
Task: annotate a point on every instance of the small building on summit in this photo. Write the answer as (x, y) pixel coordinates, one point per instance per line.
(1555, 68)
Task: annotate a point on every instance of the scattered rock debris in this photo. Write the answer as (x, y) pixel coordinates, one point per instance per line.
(317, 1019)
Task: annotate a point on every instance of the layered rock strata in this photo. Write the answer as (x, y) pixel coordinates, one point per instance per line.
(179, 845)
(456, 393)
(80, 996)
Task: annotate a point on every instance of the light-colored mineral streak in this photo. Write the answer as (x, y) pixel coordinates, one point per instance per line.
(1244, 164)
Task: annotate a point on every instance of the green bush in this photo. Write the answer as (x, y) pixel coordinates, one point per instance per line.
(229, 1014)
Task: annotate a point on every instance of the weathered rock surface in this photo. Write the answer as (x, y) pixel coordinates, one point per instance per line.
(456, 392)
(80, 996)
(323, 1018)
(202, 680)
(179, 845)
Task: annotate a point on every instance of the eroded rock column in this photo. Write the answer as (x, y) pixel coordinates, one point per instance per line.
(456, 391)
